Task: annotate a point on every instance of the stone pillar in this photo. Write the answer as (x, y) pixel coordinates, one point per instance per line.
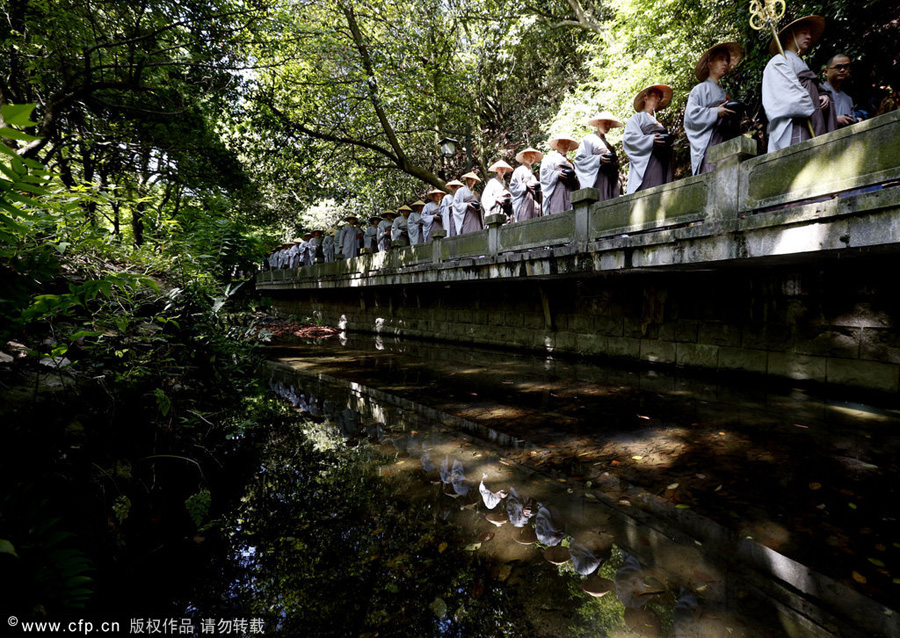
(437, 234)
(582, 200)
(493, 223)
(724, 182)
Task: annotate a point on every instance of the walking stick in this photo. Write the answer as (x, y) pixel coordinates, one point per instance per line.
(766, 13)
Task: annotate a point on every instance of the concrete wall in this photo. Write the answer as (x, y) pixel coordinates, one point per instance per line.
(834, 323)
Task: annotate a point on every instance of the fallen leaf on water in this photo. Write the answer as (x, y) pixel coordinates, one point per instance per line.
(880, 547)
(859, 578)
(672, 486)
(614, 462)
(486, 537)
(852, 505)
(507, 383)
(471, 547)
(590, 496)
(641, 416)
(876, 562)
(846, 492)
(815, 486)
(442, 548)
(896, 581)
(820, 506)
(474, 394)
(700, 476)
(682, 506)
(717, 489)
(797, 425)
(637, 457)
(624, 501)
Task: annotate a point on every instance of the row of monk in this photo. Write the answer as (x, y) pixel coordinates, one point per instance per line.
(797, 104)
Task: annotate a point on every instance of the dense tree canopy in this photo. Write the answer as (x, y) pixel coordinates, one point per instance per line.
(280, 106)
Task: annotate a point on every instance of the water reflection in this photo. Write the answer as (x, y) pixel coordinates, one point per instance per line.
(519, 524)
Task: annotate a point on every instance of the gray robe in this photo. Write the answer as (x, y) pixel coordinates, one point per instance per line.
(384, 234)
(644, 155)
(399, 230)
(465, 218)
(414, 228)
(556, 194)
(592, 173)
(328, 248)
(700, 119)
(843, 103)
(784, 98)
(350, 241)
(524, 204)
(430, 219)
(370, 240)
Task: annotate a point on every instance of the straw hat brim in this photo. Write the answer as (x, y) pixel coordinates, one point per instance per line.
(816, 26)
(471, 176)
(406, 208)
(419, 202)
(735, 53)
(454, 182)
(605, 116)
(520, 156)
(568, 142)
(666, 91)
(499, 165)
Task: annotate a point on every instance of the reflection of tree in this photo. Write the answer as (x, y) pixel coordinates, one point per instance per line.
(323, 548)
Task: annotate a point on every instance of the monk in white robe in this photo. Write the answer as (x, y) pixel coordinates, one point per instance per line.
(647, 142)
(400, 227)
(496, 198)
(792, 95)
(596, 161)
(384, 230)
(431, 217)
(707, 121)
(414, 223)
(328, 247)
(525, 187)
(350, 236)
(370, 234)
(446, 211)
(558, 177)
(467, 207)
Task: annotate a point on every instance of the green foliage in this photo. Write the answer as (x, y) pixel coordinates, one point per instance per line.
(198, 506)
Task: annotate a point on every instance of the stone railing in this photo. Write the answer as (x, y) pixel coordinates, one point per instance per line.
(864, 155)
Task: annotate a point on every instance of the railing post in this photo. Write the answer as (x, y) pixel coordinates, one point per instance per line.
(724, 183)
(493, 223)
(437, 234)
(582, 200)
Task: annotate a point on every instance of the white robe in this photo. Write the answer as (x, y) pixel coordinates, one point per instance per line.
(700, 119)
(459, 207)
(369, 237)
(384, 227)
(349, 241)
(638, 148)
(587, 159)
(414, 228)
(428, 219)
(398, 227)
(784, 98)
(521, 178)
(447, 214)
(492, 193)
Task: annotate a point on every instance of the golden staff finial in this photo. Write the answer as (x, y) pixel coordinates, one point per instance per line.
(767, 13)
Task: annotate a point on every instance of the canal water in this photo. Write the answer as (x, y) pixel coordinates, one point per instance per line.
(454, 491)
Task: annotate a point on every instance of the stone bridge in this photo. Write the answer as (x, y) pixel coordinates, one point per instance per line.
(781, 265)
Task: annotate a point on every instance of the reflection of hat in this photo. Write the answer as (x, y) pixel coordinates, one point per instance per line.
(455, 182)
(471, 175)
(734, 51)
(815, 24)
(605, 116)
(563, 144)
(499, 164)
(666, 91)
(418, 202)
(520, 156)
